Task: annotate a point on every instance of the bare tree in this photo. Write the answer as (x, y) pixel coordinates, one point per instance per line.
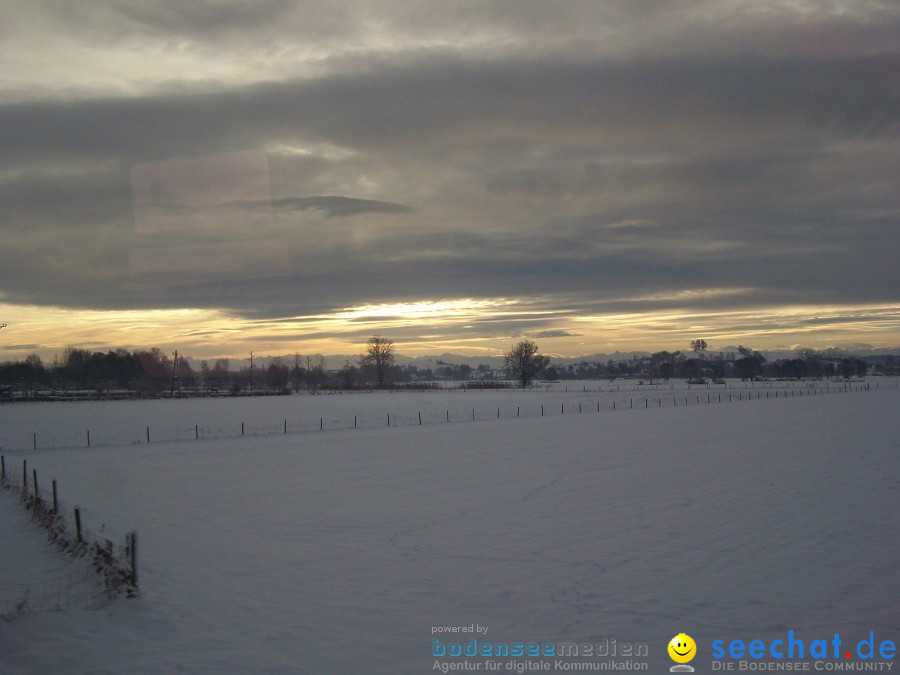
(349, 375)
(297, 374)
(278, 375)
(220, 375)
(187, 376)
(379, 357)
(316, 373)
(523, 361)
(749, 366)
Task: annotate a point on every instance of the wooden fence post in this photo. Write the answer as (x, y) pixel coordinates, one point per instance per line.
(78, 524)
(55, 500)
(133, 551)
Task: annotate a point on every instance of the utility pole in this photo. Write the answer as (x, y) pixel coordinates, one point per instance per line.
(175, 375)
(251, 372)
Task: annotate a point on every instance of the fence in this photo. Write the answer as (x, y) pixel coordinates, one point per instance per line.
(580, 400)
(110, 571)
(113, 569)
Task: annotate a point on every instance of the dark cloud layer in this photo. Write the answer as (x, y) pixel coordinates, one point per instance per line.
(336, 206)
(592, 153)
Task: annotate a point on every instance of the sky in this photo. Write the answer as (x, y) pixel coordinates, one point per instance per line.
(295, 177)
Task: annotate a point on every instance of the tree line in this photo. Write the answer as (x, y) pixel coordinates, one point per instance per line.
(696, 365)
(155, 373)
(151, 373)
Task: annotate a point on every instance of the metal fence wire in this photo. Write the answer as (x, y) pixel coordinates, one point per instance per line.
(80, 588)
(99, 571)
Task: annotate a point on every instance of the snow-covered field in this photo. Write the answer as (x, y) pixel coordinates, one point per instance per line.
(67, 424)
(342, 551)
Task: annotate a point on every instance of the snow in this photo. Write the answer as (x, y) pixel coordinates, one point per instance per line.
(66, 424)
(339, 551)
(35, 576)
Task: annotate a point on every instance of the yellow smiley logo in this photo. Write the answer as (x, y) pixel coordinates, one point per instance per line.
(682, 648)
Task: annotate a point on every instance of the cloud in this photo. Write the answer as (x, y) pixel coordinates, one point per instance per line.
(591, 154)
(556, 333)
(337, 206)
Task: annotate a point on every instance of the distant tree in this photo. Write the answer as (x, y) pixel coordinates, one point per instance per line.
(348, 375)
(297, 372)
(795, 368)
(523, 362)
(186, 376)
(749, 366)
(662, 364)
(699, 345)
(315, 372)
(693, 368)
(239, 380)
(850, 367)
(76, 365)
(278, 375)
(156, 371)
(220, 375)
(815, 367)
(29, 375)
(379, 358)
